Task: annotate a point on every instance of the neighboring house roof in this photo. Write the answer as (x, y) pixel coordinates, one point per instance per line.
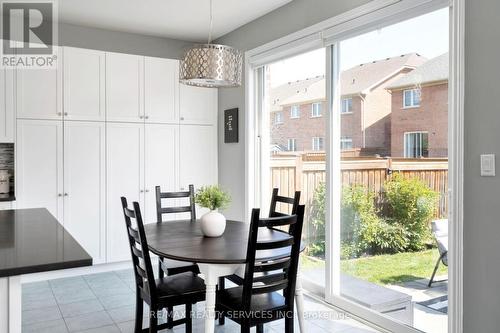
(356, 80)
(434, 70)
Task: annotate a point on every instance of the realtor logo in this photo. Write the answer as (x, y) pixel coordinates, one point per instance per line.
(29, 33)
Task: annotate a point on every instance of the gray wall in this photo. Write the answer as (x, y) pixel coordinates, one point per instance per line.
(115, 41)
(482, 123)
(482, 194)
(292, 17)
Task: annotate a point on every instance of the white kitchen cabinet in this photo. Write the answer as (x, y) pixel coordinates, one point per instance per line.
(84, 84)
(6, 105)
(160, 165)
(39, 165)
(161, 87)
(39, 93)
(125, 177)
(84, 185)
(197, 105)
(124, 87)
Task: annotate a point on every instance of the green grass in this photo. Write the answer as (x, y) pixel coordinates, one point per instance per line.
(388, 268)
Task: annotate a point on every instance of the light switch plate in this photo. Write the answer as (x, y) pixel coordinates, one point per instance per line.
(488, 165)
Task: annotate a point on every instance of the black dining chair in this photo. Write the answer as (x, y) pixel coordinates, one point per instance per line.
(275, 199)
(268, 289)
(170, 266)
(183, 288)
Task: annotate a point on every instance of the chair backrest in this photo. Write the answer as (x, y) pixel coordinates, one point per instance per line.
(278, 274)
(179, 209)
(144, 277)
(275, 199)
(440, 231)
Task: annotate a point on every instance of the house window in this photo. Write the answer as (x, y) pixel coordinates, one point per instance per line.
(295, 111)
(278, 118)
(416, 144)
(316, 110)
(346, 105)
(345, 142)
(292, 144)
(411, 98)
(318, 143)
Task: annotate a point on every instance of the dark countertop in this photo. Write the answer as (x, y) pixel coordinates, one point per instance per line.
(7, 197)
(32, 240)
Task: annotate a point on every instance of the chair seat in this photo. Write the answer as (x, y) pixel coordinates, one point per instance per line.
(181, 288)
(232, 298)
(172, 267)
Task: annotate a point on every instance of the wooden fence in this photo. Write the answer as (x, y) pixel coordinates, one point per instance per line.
(290, 172)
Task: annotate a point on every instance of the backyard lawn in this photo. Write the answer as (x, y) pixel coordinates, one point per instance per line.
(388, 268)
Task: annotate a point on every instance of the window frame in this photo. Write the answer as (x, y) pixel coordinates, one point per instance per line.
(298, 111)
(294, 140)
(320, 114)
(321, 143)
(343, 140)
(349, 109)
(414, 92)
(405, 144)
(281, 118)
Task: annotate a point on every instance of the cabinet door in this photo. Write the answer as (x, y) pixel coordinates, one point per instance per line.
(84, 185)
(124, 87)
(197, 105)
(6, 105)
(197, 157)
(39, 93)
(161, 142)
(39, 165)
(84, 79)
(125, 177)
(161, 83)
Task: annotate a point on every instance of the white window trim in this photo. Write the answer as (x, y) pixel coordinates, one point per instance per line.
(320, 110)
(412, 132)
(344, 139)
(342, 105)
(278, 122)
(291, 111)
(294, 144)
(412, 106)
(318, 138)
(363, 19)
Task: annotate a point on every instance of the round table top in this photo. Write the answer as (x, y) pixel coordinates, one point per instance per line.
(184, 241)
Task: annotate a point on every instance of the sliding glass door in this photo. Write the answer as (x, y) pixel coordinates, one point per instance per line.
(361, 129)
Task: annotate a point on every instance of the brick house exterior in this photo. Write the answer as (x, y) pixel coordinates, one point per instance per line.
(430, 116)
(368, 124)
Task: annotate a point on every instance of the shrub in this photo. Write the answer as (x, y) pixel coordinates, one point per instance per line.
(411, 204)
(366, 230)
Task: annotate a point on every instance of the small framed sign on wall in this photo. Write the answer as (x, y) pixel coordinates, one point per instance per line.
(231, 125)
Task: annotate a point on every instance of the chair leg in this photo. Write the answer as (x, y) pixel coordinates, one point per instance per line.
(289, 322)
(245, 328)
(139, 308)
(161, 274)
(222, 286)
(260, 328)
(435, 270)
(170, 316)
(189, 318)
(153, 319)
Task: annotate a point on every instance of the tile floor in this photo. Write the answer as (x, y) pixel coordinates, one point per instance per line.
(105, 302)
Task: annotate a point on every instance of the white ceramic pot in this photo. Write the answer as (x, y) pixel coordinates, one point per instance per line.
(213, 224)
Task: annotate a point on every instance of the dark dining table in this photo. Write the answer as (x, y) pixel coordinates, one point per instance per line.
(216, 257)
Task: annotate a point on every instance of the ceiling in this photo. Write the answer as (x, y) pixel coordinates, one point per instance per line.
(178, 19)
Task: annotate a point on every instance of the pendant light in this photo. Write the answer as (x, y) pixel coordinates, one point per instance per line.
(211, 65)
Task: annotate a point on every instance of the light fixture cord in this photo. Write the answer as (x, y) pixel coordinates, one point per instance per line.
(211, 24)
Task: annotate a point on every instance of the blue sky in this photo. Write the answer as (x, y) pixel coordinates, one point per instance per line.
(426, 35)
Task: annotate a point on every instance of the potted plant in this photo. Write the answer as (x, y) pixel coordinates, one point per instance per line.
(212, 197)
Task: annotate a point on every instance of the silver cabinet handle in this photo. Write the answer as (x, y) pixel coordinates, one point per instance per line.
(59, 113)
(66, 194)
(59, 194)
(141, 191)
(182, 118)
(147, 117)
(141, 117)
(65, 113)
(147, 191)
